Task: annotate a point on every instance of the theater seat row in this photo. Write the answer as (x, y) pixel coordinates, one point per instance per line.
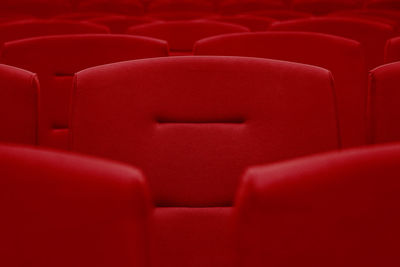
(137, 7)
(89, 212)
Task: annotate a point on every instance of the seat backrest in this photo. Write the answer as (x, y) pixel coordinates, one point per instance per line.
(119, 24)
(128, 7)
(343, 57)
(194, 123)
(41, 8)
(371, 34)
(181, 35)
(320, 7)
(18, 106)
(383, 4)
(280, 14)
(32, 28)
(240, 6)
(254, 23)
(383, 99)
(64, 210)
(56, 59)
(392, 50)
(181, 5)
(334, 210)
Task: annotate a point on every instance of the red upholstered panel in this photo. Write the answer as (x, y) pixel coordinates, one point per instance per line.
(64, 210)
(30, 28)
(335, 210)
(386, 16)
(192, 237)
(181, 15)
(129, 7)
(254, 23)
(18, 105)
(325, 6)
(57, 58)
(181, 5)
(384, 4)
(239, 6)
(34, 7)
(280, 14)
(181, 35)
(194, 123)
(383, 104)
(372, 35)
(343, 57)
(119, 24)
(392, 50)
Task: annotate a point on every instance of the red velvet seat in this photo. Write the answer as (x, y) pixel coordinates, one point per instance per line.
(41, 8)
(320, 7)
(64, 210)
(82, 16)
(383, 108)
(392, 50)
(339, 209)
(181, 35)
(181, 5)
(128, 7)
(31, 28)
(380, 15)
(383, 4)
(193, 124)
(119, 24)
(18, 106)
(253, 23)
(56, 59)
(180, 15)
(280, 14)
(372, 35)
(343, 57)
(240, 6)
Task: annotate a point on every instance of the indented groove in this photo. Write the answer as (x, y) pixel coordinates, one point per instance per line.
(60, 74)
(233, 120)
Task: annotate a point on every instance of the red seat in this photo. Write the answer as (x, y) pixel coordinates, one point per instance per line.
(193, 124)
(56, 59)
(128, 7)
(119, 24)
(181, 5)
(18, 106)
(31, 28)
(254, 23)
(392, 50)
(82, 16)
(383, 108)
(181, 35)
(383, 4)
(320, 7)
(343, 57)
(42, 8)
(333, 210)
(380, 15)
(280, 14)
(63, 210)
(240, 6)
(180, 15)
(372, 35)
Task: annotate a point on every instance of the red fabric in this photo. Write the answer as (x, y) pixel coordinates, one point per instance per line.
(181, 5)
(320, 7)
(334, 210)
(63, 56)
(31, 28)
(119, 24)
(194, 123)
(18, 106)
(392, 50)
(43, 8)
(64, 210)
(253, 23)
(279, 14)
(180, 15)
(372, 35)
(383, 108)
(84, 15)
(129, 7)
(181, 35)
(343, 57)
(192, 237)
(239, 6)
(383, 4)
